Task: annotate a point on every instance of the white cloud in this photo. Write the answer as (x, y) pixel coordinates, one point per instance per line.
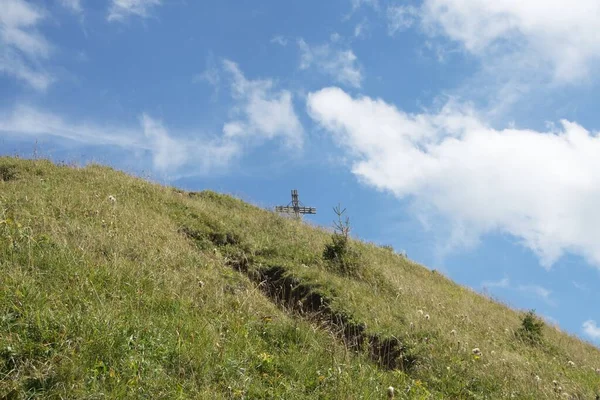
(21, 47)
(211, 74)
(356, 4)
(538, 291)
(591, 329)
(168, 152)
(581, 287)
(541, 187)
(261, 111)
(361, 29)
(73, 5)
(531, 289)
(341, 65)
(280, 40)
(401, 18)
(530, 35)
(550, 320)
(171, 153)
(120, 10)
(502, 283)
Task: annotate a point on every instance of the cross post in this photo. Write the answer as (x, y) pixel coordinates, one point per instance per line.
(295, 207)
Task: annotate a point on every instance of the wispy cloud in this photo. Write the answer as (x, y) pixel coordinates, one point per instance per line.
(72, 5)
(540, 187)
(280, 40)
(340, 64)
(356, 4)
(591, 329)
(537, 291)
(550, 320)
(581, 287)
(169, 152)
(262, 111)
(361, 29)
(22, 48)
(502, 283)
(401, 18)
(210, 75)
(120, 10)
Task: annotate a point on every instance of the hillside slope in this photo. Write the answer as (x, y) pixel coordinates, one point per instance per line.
(114, 287)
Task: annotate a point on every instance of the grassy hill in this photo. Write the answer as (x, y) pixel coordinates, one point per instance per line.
(114, 287)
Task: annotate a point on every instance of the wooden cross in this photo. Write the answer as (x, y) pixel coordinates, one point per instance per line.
(296, 207)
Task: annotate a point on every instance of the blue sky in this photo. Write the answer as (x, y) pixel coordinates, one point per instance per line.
(463, 132)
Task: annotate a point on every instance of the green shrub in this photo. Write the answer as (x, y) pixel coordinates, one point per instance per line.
(531, 328)
(8, 173)
(339, 254)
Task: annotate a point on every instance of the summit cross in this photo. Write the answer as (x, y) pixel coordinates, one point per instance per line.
(296, 207)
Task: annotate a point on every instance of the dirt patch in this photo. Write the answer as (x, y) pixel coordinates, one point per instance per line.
(306, 300)
(309, 302)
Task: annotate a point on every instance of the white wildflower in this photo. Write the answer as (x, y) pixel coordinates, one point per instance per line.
(112, 199)
(390, 392)
(420, 312)
(537, 379)
(571, 363)
(427, 317)
(476, 351)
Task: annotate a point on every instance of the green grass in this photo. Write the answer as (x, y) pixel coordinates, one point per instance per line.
(165, 294)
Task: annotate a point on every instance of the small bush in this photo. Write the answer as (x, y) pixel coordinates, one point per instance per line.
(531, 328)
(340, 255)
(7, 173)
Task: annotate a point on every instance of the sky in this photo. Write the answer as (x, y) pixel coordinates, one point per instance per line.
(461, 132)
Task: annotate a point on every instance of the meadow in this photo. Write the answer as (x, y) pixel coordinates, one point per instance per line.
(112, 286)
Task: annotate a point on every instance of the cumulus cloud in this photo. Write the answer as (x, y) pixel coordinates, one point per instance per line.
(169, 152)
(261, 111)
(22, 48)
(529, 34)
(541, 187)
(591, 329)
(339, 64)
(120, 10)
